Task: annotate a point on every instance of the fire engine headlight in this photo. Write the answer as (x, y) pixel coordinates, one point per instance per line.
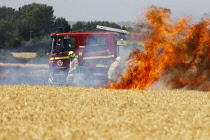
(59, 62)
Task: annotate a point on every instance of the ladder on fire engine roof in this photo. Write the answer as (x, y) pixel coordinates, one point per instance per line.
(111, 29)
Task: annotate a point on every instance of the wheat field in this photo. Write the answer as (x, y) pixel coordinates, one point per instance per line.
(62, 112)
(24, 54)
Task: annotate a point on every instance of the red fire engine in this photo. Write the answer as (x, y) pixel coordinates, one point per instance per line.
(95, 51)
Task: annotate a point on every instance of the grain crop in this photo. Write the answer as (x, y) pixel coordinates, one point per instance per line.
(63, 112)
(24, 54)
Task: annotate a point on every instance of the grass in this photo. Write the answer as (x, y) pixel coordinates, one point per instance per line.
(62, 112)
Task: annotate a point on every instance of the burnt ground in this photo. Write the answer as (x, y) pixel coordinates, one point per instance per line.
(30, 74)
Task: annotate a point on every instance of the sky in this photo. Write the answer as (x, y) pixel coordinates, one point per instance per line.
(116, 10)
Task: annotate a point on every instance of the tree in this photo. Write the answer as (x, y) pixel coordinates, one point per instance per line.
(7, 33)
(61, 22)
(79, 26)
(35, 20)
(90, 26)
(7, 14)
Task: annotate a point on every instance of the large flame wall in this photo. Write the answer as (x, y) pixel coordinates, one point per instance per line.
(176, 55)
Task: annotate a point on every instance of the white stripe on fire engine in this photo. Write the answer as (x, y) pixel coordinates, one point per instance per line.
(96, 57)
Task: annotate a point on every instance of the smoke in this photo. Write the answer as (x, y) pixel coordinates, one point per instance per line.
(16, 75)
(21, 68)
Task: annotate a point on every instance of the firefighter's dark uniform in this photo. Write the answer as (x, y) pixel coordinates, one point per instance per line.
(72, 66)
(114, 70)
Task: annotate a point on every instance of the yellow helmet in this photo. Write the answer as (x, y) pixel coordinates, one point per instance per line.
(118, 58)
(71, 54)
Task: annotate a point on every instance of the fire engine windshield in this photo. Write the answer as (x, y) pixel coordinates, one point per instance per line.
(65, 44)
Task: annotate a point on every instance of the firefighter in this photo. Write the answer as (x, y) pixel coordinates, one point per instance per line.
(114, 70)
(72, 66)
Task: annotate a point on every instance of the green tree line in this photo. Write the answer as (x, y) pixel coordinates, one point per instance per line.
(31, 25)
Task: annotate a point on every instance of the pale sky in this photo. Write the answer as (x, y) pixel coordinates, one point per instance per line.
(116, 10)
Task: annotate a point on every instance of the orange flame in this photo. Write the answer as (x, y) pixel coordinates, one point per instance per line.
(176, 53)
